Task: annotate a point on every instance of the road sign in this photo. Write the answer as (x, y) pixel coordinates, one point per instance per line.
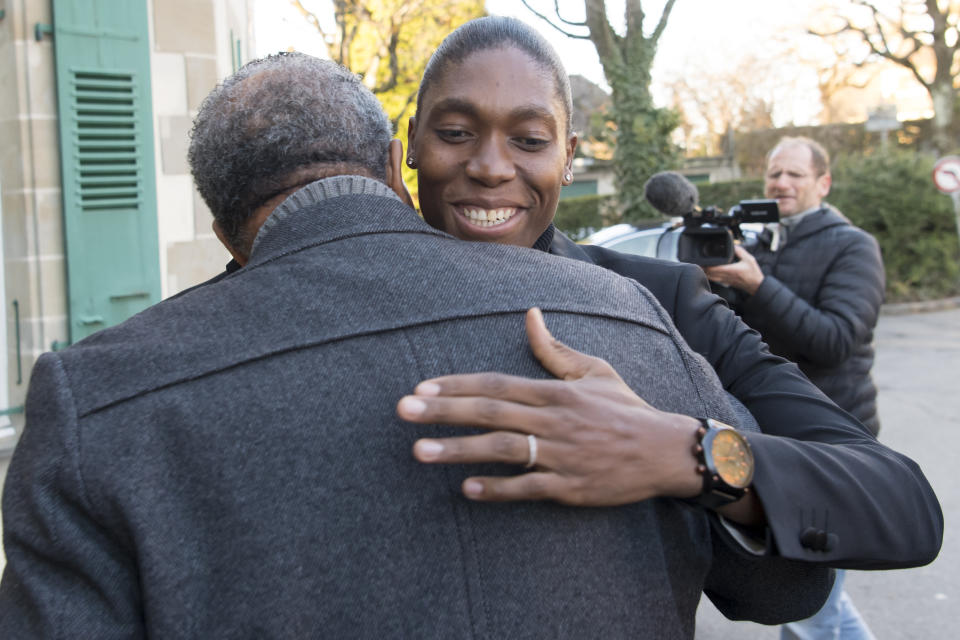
(946, 174)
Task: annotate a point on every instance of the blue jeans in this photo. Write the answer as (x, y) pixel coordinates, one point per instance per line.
(837, 620)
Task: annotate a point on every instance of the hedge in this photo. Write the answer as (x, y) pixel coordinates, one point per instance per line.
(727, 194)
(892, 196)
(580, 216)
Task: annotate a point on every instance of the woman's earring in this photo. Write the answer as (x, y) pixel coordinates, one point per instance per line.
(411, 162)
(568, 177)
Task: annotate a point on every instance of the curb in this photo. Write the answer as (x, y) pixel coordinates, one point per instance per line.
(923, 306)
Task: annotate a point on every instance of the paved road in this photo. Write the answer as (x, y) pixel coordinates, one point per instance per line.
(918, 374)
(917, 370)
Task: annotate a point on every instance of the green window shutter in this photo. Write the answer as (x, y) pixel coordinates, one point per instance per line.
(107, 160)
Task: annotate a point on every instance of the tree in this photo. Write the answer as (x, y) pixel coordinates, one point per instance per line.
(643, 131)
(920, 35)
(591, 119)
(845, 84)
(388, 43)
(712, 103)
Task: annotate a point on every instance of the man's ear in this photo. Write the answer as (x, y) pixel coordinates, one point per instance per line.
(222, 237)
(395, 172)
(823, 185)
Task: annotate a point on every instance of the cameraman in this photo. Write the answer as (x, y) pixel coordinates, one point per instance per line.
(812, 288)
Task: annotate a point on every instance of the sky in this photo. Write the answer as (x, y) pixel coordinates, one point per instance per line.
(705, 35)
(702, 37)
(698, 30)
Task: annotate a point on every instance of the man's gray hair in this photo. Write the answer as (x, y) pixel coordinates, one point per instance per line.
(820, 156)
(274, 116)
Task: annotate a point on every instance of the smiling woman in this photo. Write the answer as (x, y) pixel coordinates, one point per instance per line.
(491, 139)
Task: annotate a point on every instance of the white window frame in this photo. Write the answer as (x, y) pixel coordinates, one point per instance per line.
(6, 426)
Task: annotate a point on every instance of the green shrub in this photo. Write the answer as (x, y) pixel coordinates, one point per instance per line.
(580, 216)
(892, 196)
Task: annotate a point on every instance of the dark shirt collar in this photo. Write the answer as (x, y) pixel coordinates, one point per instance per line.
(545, 240)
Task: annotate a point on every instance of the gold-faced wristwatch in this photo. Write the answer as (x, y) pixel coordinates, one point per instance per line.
(725, 462)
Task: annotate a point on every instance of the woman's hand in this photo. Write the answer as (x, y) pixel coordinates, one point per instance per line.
(597, 442)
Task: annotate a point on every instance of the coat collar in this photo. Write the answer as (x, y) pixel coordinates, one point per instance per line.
(564, 246)
(827, 216)
(333, 209)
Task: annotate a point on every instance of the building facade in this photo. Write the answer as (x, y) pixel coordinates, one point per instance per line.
(99, 215)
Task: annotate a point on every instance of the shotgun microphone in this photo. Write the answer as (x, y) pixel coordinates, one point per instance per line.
(671, 194)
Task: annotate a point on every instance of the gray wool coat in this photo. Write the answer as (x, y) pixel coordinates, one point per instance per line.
(228, 464)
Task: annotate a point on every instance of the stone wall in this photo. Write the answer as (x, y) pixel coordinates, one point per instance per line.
(195, 45)
(34, 287)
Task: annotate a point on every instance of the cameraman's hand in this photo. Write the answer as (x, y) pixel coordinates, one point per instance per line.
(744, 275)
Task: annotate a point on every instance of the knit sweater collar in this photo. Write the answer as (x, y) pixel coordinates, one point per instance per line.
(545, 241)
(317, 192)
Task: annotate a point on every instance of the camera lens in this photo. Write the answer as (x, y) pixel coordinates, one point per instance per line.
(705, 245)
(715, 247)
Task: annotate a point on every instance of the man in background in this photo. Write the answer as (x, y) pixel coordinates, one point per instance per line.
(813, 289)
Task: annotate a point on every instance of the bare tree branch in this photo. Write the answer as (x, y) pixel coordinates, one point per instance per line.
(556, 9)
(312, 19)
(604, 38)
(391, 52)
(634, 16)
(395, 122)
(667, 8)
(879, 31)
(555, 26)
(830, 34)
(905, 38)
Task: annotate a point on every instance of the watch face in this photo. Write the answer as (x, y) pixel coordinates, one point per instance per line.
(732, 458)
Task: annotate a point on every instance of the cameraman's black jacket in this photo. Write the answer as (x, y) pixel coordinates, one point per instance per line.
(818, 306)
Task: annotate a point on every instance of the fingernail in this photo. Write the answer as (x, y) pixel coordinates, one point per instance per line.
(427, 389)
(428, 449)
(412, 406)
(473, 488)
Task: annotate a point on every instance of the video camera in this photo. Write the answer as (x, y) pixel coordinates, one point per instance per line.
(709, 234)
